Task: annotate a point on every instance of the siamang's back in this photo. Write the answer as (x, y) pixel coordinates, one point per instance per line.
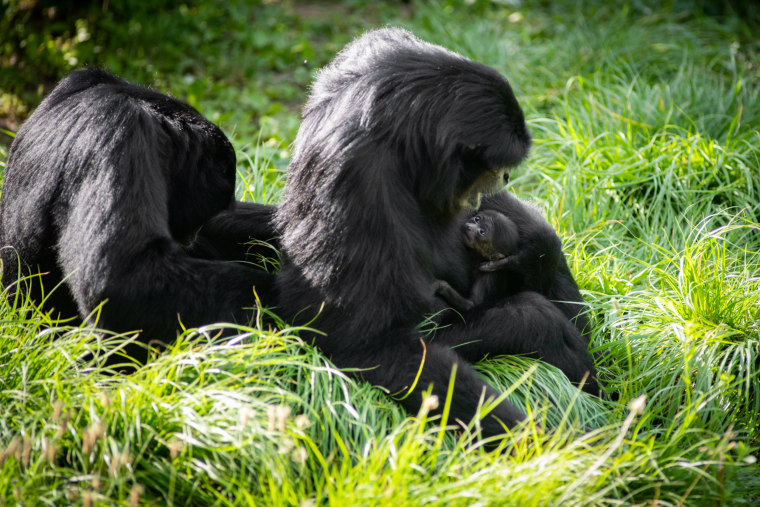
(107, 163)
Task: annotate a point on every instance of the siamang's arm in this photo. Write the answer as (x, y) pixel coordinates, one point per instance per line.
(245, 231)
(526, 323)
(481, 288)
(452, 296)
(499, 264)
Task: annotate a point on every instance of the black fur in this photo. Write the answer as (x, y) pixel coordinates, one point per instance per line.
(106, 186)
(539, 264)
(524, 254)
(491, 235)
(399, 138)
(492, 239)
(537, 268)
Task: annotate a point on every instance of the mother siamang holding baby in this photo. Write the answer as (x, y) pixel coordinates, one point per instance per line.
(399, 140)
(121, 194)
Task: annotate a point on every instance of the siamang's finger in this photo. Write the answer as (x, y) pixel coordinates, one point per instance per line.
(496, 265)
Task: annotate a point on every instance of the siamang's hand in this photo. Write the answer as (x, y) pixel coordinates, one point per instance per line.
(497, 265)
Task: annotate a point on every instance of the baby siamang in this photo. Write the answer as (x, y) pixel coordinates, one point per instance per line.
(539, 263)
(507, 262)
(398, 141)
(106, 190)
(492, 238)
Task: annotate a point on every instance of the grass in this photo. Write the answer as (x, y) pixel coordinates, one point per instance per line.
(646, 159)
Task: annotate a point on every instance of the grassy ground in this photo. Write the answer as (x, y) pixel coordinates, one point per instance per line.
(646, 124)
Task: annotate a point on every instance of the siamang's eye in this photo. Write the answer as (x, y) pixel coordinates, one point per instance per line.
(482, 232)
(476, 218)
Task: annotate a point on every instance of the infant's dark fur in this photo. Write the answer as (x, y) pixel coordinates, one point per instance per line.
(535, 271)
(491, 237)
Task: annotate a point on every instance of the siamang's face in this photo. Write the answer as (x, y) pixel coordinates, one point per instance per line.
(481, 175)
(487, 183)
(478, 234)
(490, 234)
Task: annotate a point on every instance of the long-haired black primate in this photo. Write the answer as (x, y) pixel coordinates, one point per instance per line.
(106, 188)
(399, 140)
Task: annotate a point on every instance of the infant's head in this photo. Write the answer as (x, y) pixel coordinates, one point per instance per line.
(491, 234)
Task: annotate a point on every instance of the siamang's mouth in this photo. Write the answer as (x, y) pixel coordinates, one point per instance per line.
(470, 201)
(489, 183)
(470, 234)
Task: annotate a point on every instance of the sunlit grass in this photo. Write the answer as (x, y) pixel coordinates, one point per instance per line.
(265, 416)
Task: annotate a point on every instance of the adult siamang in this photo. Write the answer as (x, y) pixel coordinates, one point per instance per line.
(106, 188)
(399, 139)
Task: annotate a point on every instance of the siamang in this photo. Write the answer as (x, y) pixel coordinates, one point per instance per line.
(508, 258)
(491, 237)
(398, 141)
(516, 250)
(539, 264)
(116, 193)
